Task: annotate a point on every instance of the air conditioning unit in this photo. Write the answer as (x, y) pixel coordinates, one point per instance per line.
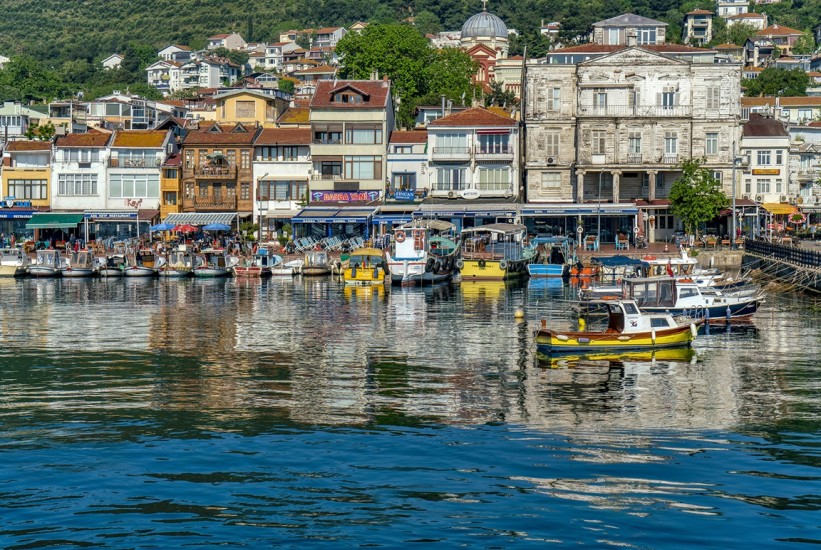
(745, 197)
(759, 198)
(783, 198)
(792, 200)
(451, 194)
(551, 161)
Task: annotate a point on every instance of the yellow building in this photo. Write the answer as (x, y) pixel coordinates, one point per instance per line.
(171, 186)
(27, 172)
(250, 107)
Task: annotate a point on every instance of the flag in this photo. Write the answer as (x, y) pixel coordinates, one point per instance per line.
(669, 268)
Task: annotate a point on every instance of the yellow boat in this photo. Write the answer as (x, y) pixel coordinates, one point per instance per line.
(366, 266)
(493, 252)
(553, 361)
(627, 329)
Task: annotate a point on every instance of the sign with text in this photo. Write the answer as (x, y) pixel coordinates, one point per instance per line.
(344, 196)
(766, 171)
(404, 195)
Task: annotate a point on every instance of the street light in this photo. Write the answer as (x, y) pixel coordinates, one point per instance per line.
(598, 210)
(736, 162)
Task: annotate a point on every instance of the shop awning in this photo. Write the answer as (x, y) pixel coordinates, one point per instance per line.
(9, 214)
(201, 218)
(482, 210)
(333, 215)
(54, 221)
(779, 208)
(571, 209)
(281, 214)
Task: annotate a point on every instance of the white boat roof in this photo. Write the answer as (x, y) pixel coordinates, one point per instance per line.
(436, 225)
(503, 228)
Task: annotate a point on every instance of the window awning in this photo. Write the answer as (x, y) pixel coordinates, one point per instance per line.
(201, 218)
(779, 208)
(394, 218)
(554, 210)
(333, 215)
(281, 214)
(486, 210)
(54, 221)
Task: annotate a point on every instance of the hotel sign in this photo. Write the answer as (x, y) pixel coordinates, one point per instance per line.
(344, 196)
(766, 171)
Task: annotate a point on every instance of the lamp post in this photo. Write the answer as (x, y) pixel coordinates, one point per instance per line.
(598, 210)
(735, 163)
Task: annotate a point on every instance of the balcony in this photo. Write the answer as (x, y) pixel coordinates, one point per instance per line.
(639, 111)
(326, 177)
(808, 174)
(212, 203)
(135, 163)
(500, 154)
(669, 159)
(451, 153)
(634, 158)
(215, 172)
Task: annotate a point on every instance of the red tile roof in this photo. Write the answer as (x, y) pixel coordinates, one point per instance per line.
(219, 36)
(173, 160)
(320, 69)
(476, 116)
(800, 101)
(700, 12)
(285, 136)
(204, 136)
(759, 126)
(778, 30)
(327, 30)
(139, 138)
(376, 92)
(728, 47)
(409, 136)
(28, 146)
(96, 139)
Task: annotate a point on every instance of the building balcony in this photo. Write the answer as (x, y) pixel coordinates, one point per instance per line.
(497, 154)
(669, 159)
(451, 153)
(634, 158)
(638, 111)
(166, 209)
(220, 204)
(215, 172)
(327, 177)
(136, 163)
(808, 174)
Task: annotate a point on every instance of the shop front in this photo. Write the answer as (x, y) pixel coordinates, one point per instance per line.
(604, 222)
(319, 222)
(463, 216)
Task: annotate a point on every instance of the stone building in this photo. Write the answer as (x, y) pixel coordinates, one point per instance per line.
(612, 132)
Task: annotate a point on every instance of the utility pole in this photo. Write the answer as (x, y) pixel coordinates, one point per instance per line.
(735, 162)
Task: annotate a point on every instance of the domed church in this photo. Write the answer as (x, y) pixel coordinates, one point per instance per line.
(485, 39)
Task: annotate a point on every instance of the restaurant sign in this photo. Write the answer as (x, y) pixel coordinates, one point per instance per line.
(766, 171)
(344, 196)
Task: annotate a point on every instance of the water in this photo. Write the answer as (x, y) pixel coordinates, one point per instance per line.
(293, 413)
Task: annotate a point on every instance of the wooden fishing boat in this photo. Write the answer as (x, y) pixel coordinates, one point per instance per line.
(49, 263)
(111, 265)
(141, 264)
(628, 328)
(552, 256)
(259, 265)
(214, 263)
(494, 252)
(176, 264)
(317, 263)
(366, 266)
(421, 254)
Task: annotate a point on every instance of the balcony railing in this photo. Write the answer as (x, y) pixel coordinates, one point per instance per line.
(634, 158)
(134, 163)
(655, 111)
(447, 186)
(215, 172)
(326, 177)
(213, 203)
(669, 159)
(493, 153)
(451, 152)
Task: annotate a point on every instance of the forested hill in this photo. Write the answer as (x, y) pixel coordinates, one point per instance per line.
(60, 30)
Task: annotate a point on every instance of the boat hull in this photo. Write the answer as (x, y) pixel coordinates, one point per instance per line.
(546, 270)
(78, 272)
(315, 270)
(252, 272)
(551, 341)
(135, 271)
(739, 309)
(175, 273)
(363, 276)
(211, 272)
(110, 272)
(492, 270)
(43, 271)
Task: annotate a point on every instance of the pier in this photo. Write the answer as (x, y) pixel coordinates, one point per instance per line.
(796, 265)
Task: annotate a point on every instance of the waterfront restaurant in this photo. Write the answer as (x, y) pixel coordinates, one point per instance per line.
(344, 222)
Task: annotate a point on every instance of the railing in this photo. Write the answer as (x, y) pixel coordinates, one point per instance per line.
(498, 152)
(327, 177)
(791, 254)
(447, 186)
(669, 159)
(135, 163)
(451, 152)
(634, 158)
(215, 172)
(213, 203)
(656, 111)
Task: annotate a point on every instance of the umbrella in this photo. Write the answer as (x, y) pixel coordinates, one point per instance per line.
(162, 227)
(217, 227)
(185, 228)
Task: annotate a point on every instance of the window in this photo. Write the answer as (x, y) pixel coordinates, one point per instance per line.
(280, 153)
(748, 186)
(494, 178)
(494, 143)
(81, 155)
(777, 186)
(366, 135)
(453, 143)
(231, 190)
(779, 157)
(403, 149)
(77, 184)
(599, 97)
(138, 158)
(329, 169)
(189, 190)
(363, 168)
(450, 178)
(551, 143)
(634, 143)
(762, 186)
(286, 190)
(598, 141)
(246, 109)
(328, 134)
(28, 189)
(347, 97)
(711, 143)
(633, 98)
(670, 143)
(551, 180)
(554, 99)
(31, 160)
(189, 159)
(169, 198)
(668, 98)
(231, 157)
(646, 36)
(613, 37)
(804, 115)
(134, 186)
(713, 97)
(404, 181)
(717, 176)
(763, 158)
(245, 159)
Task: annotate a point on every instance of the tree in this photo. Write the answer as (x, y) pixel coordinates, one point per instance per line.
(286, 84)
(43, 133)
(732, 34)
(804, 45)
(777, 82)
(500, 97)
(696, 196)
(427, 23)
(235, 56)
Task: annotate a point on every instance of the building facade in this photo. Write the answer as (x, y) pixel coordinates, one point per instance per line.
(134, 168)
(80, 171)
(26, 174)
(765, 144)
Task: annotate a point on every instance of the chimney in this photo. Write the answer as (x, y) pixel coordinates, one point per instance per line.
(631, 38)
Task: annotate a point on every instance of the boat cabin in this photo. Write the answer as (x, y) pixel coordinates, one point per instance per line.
(661, 292)
(624, 316)
(497, 241)
(265, 258)
(318, 258)
(12, 256)
(552, 250)
(414, 239)
(366, 257)
(81, 260)
(49, 258)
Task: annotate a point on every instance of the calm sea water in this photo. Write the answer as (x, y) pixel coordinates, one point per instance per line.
(192, 414)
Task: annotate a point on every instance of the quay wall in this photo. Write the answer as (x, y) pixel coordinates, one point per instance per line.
(721, 259)
(799, 266)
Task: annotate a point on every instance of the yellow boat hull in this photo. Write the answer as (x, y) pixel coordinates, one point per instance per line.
(559, 342)
(678, 354)
(364, 276)
(492, 270)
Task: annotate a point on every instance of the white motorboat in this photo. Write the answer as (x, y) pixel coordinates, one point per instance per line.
(176, 264)
(287, 269)
(49, 263)
(421, 254)
(111, 266)
(214, 263)
(141, 264)
(80, 264)
(13, 262)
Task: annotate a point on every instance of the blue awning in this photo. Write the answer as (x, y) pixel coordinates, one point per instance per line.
(558, 210)
(392, 218)
(333, 215)
(8, 214)
(495, 210)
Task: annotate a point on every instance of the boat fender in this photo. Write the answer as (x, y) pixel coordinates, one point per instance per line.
(384, 266)
(399, 236)
(437, 267)
(503, 265)
(562, 337)
(693, 329)
(429, 265)
(460, 264)
(649, 258)
(653, 336)
(482, 263)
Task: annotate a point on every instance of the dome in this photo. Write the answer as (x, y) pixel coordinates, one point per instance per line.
(483, 25)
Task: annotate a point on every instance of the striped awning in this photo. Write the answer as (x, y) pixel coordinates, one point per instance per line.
(201, 218)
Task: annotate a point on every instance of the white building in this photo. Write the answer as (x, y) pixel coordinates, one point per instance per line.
(175, 52)
(619, 30)
(727, 8)
(112, 61)
(164, 75)
(474, 154)
(134, 167)
(208, 73)
(15, 120)
(698, 27)
(282, 170)
(328, 37)
(757, 20)
(3, 61)
(274, 54)
(805, 171)
(232, 41)
(408, 171)
(765, 144)
(79, 171)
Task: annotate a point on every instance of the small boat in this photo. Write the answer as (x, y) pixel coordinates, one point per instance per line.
(366, 266)
(259, 265)
(80, 264)
(112, 265)
(176, 264)
(49, 263)
(684, 297)
(13, 262)
(552, 255)
(609, 357)
(317, 263)
(494, 252)
(214, 263)
(141, 264)
(628, 328)
(287, 269)
(422, 254)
